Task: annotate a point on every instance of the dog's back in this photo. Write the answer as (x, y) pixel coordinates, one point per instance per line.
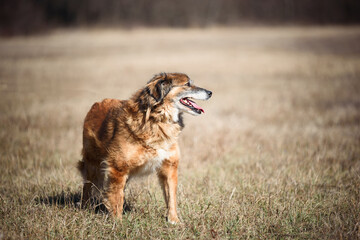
(97, 115)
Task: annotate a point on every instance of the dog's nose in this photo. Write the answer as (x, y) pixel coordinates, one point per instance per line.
(209, 93)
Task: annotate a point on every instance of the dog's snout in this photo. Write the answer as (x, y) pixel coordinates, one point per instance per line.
(209, 93)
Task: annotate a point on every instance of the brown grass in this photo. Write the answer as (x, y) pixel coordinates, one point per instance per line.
(277, 154)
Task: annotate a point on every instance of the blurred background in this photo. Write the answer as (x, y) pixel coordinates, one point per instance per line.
(29, 16)
(276, 154)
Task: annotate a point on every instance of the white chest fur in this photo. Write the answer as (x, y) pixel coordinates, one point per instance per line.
(154, 162)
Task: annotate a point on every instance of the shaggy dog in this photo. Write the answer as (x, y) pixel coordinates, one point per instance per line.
(124, 138)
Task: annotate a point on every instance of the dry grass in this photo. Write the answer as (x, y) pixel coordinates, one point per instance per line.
(275, 156)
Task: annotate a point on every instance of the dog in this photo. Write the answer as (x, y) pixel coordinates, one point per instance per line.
(125, 138)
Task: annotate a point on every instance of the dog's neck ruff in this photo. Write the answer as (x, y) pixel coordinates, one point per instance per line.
(154, 126)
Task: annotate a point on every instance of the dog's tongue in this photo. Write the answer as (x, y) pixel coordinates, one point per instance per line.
(196, 106)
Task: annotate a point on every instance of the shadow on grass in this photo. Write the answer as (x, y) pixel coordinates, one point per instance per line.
(73, 200)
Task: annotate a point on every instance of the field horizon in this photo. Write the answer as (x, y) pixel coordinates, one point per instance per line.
(275, 156)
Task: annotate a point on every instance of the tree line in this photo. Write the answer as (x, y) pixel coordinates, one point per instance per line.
(29, 16)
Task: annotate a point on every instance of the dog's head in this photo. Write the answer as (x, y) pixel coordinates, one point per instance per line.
(175, 90)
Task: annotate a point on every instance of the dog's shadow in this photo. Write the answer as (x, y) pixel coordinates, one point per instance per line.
(73, 200)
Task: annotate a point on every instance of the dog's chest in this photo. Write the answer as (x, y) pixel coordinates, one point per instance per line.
(154, 161)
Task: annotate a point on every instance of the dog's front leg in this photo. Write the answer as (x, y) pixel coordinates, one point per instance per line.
(115, 192)
(168, 180)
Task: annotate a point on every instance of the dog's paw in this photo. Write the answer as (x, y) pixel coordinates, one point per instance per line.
(173, 220)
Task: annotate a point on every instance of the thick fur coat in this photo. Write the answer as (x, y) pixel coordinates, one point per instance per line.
(124, 138)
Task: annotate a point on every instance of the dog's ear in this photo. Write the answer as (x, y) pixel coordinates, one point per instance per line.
(160, 89)
(154, 92)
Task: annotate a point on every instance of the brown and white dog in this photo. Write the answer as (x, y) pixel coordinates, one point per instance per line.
(124, 138)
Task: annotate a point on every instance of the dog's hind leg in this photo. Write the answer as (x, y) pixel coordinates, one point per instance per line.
(97, 185)
(93, 181)
(86, 193)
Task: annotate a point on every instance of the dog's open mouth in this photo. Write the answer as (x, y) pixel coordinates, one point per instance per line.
(192, 105)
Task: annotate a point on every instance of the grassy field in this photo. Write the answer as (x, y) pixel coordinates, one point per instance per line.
(276, 156)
